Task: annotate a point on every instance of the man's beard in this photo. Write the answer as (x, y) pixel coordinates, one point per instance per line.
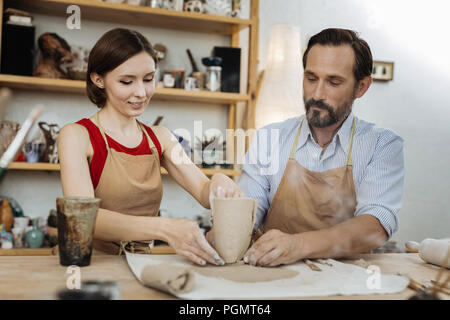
(329, 119)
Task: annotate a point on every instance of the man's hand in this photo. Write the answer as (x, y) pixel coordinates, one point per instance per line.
(274, 248)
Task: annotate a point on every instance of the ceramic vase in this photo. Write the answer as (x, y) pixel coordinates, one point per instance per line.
(35, 237)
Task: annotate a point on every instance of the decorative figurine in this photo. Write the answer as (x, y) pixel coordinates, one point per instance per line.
(51, 131)
(54, 51)
(194, 6)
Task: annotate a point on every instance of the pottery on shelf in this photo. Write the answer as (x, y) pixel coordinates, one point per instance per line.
(35, 237)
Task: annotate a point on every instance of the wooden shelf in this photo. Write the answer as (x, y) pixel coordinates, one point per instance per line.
(136, 15)
(26, 252)
(75, 86)
(40, 166)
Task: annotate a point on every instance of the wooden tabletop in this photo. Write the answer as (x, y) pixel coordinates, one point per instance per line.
(41, 277)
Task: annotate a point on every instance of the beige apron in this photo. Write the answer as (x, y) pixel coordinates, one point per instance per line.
(307, 200)
(130, 185)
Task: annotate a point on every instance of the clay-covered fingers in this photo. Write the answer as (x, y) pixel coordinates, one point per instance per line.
(211, 254)
(192, 257)
(220, 192)
(258, 250)
(271, 259)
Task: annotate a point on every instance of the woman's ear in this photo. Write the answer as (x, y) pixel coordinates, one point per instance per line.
(97, 80)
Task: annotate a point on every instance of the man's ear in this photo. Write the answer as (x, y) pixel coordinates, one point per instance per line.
(363, 86)
(97, 80)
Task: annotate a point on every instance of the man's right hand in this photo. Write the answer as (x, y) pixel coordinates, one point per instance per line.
(186, 238)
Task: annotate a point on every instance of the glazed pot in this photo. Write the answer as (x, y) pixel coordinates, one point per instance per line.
(35, 237)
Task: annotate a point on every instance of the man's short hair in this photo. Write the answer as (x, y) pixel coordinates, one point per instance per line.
(337, 37)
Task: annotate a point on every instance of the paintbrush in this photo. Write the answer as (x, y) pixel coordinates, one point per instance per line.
(18, 141)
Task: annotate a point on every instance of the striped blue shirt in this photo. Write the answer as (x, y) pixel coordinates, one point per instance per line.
(378, 165)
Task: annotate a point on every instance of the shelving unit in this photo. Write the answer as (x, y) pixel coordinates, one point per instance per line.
(146, 16)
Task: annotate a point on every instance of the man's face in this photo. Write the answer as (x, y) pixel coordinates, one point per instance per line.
(329, 84)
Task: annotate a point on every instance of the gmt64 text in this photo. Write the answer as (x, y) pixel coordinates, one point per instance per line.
(234, 309)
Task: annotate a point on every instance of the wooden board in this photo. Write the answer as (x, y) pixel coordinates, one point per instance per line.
(42, 277)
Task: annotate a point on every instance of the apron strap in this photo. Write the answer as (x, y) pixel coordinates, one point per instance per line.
(150, 142)
(102, 131)
(294, 146)
(350, 147)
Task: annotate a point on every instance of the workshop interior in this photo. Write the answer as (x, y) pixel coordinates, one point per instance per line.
(224, 149)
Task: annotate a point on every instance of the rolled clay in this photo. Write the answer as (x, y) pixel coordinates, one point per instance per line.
(233, 220)
(168, 278)
(435, 252)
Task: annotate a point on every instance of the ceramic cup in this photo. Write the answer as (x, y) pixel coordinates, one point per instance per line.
(18, 236)
(233, 220)
(169, 80)
(190, 83)
(21, 222)
(76, 224)
(33, 151)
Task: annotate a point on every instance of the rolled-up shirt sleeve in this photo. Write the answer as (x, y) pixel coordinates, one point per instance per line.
(381, 189)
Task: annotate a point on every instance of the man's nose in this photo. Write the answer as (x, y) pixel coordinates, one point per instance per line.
(319, 91)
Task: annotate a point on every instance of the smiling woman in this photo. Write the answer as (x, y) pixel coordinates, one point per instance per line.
(114, 157)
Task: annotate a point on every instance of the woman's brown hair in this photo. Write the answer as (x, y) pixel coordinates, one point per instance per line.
(111, 50)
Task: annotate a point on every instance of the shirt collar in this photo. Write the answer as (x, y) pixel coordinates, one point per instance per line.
(343, 132)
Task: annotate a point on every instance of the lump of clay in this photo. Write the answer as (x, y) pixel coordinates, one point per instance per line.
(233, 220)
(436, 252)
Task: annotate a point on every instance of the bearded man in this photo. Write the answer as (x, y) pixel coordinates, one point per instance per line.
(339, 179)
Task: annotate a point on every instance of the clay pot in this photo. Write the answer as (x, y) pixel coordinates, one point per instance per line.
(233, 220)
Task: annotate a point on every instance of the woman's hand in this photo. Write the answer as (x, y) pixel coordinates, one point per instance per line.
(223, 187)
(186, 238)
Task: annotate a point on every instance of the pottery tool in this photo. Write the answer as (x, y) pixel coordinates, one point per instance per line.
(18, 141)
(323, 261)
(191, 59)
(157, 121)
(312, 266)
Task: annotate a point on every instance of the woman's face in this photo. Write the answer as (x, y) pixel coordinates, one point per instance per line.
(130, 86)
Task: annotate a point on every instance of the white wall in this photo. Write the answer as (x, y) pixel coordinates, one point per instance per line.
(416, 104)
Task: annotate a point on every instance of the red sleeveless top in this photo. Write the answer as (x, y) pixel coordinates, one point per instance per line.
(101, 152)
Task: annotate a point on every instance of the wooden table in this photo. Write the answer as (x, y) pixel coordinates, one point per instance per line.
(41, 277)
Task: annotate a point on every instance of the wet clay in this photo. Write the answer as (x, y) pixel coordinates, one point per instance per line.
(241, 272)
